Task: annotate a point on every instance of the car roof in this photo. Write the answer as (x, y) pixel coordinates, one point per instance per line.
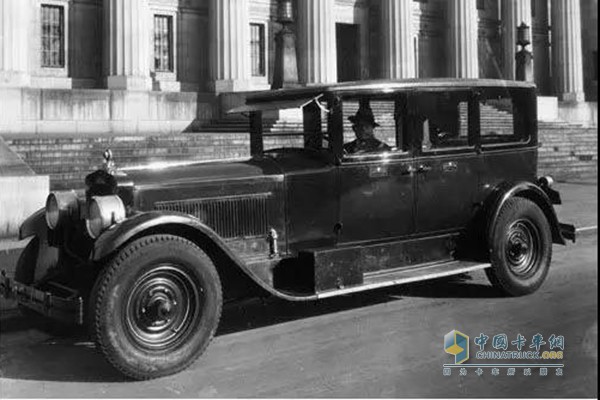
(384, 86)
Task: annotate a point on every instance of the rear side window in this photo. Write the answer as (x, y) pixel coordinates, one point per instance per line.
(505, 118)
(442, 120)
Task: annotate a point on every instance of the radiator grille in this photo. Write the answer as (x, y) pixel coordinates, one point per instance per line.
(230, 217)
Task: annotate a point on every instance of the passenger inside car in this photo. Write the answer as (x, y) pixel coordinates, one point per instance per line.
(363, 124)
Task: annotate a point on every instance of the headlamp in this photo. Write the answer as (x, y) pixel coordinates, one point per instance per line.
(103, 212)
(59, 207)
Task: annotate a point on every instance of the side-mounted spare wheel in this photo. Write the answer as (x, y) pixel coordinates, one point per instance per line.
(156, 306)
(521, 248)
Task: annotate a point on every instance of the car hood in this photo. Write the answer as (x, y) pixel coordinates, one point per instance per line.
(153, 175)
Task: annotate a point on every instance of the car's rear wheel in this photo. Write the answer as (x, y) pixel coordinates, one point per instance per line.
(521, 248)
(156, 306)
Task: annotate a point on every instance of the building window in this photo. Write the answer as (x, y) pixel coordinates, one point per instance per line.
(257, 49)
(163, 43)
(53, 36)
(481, 4)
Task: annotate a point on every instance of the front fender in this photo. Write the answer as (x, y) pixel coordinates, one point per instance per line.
(114, 238)
(530, 191)
(34, 225)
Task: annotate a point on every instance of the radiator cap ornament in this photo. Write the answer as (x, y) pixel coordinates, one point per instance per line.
(109, 163)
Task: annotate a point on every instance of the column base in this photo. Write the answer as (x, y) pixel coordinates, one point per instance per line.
(572, 97)
(128, 82)
(14, 79)
(230, 85)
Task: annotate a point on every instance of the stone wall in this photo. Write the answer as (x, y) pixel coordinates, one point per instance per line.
(94, 111)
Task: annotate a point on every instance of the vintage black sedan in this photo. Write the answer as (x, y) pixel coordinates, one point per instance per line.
(383, 183)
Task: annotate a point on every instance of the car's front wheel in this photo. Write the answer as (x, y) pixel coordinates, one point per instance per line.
(156, 306)
(521, 248)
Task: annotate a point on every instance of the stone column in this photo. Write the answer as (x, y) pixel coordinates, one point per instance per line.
(230, 45)
(514, 12)
(567, 65)
(463, 38)
(398, 50)
(317, 58)
(15, 21)
(128, 44)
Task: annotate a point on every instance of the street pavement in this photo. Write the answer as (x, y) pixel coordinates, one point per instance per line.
(385, 343)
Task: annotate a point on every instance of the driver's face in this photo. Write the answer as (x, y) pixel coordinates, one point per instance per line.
(363, 129)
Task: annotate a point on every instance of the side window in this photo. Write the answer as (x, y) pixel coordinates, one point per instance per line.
(370, 126)
(443, 119)
(503, 120)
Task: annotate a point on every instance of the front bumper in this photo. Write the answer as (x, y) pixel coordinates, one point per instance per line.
(67, 308)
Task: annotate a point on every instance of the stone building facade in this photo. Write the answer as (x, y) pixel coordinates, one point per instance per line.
(82, 60)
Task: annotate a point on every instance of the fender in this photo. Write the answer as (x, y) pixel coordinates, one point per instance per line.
(528, 190)
(118, 235)
(35, 224)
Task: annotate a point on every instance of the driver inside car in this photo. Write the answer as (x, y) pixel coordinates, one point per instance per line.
(363, 124)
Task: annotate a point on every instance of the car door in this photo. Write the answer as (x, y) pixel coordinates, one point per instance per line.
(377, 189)
(376, 197)
(447, 163)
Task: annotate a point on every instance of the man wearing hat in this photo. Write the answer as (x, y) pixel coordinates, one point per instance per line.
(363, 124)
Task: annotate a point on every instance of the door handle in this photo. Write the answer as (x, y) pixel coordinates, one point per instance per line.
(450, 166)
(409, 170)
(424, 168)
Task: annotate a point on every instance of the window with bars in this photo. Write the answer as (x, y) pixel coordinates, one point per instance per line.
(53, 36)
(481, 4)
(257, 49)
(163, 43)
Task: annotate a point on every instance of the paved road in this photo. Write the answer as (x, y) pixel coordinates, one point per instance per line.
(386, 343)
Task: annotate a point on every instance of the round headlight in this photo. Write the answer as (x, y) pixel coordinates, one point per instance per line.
(59, 206)
(103, 212)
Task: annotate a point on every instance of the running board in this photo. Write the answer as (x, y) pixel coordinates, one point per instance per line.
(381, 279)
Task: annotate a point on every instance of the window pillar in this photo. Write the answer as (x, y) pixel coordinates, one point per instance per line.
(127, 44)
(15, 20)
(229, 45)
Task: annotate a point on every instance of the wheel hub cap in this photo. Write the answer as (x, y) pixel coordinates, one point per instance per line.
(162, 306)
(522, 247)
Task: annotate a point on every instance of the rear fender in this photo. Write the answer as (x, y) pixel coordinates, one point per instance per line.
(112, 240)
(530, 191)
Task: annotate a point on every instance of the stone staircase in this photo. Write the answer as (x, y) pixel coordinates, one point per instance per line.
(567, 151)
